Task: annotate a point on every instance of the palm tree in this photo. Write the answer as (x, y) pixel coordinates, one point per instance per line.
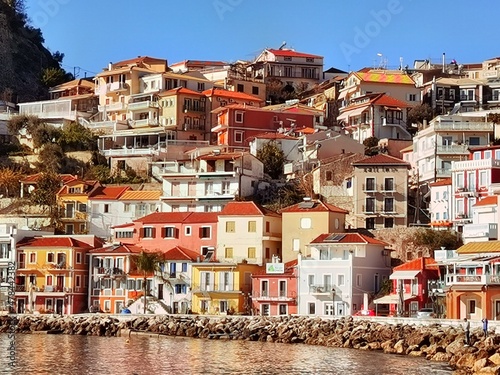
(147, 263)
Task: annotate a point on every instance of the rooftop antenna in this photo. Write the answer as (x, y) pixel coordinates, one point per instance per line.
(401, 63)
(383, 62)
(282, 45)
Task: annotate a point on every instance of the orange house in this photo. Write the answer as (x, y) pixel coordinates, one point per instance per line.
(472, 281)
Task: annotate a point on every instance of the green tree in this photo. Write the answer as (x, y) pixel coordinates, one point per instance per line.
(148, 263)
(75, 137)
(371, 146)
(55, 76)
(45, 192)
(273, 159)
(50, 158)
(433, 239)
(419, 113)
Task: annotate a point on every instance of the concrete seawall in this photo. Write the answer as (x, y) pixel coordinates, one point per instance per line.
(434, 341)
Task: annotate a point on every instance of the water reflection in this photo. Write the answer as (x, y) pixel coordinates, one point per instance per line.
(64, 354)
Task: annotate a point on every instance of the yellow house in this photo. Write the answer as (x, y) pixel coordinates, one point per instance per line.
(304, 221)
(72, 200)
(222, 288)
(52, 274)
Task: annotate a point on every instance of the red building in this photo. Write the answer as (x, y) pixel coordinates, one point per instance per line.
(410, 285)
(274, 291)
(161, 231)
(237, 124)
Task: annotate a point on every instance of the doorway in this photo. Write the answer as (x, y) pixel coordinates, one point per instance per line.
(59, 306)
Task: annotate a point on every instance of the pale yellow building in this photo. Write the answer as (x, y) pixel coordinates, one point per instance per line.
(304, 221)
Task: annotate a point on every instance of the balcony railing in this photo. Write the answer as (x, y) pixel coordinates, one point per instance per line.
(472, 279)
(320, 289)
(453, 149)
(200, 288)
(142, 105)
(108, 271)
(461, 126)
(281, 295)
(111, 107)
(116, 86)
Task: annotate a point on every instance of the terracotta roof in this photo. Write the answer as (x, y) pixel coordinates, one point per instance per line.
(273, 135)
(291, 53)
(222, 156)
(137, 60)
(181, 90)
(73, 83)
(418, 264)
(51, 242)
(108, 192)
(246, 209)
(480, 247)
(118, 249)
(389, 101)
(305, 130)
(232, 94)
(181, 253)
(348, 238)
(141, 195)
(407, 148)
(385, 77)
(33, 179)
(488, 201)
(200, 62)
(443, 182)
(317, 206)
(179, 217)
(382, 159)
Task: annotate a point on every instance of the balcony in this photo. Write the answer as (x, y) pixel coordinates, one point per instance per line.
(207, 288)
(112, 107)
(369, 188)
(464, 191)
(146, 104)
(67, 215)
(320, 290)
(116, 87)
(487, 231)
(475, 164)
(147, 122)
(454, 279)
(281, 295)
(108, 271)
(452, 150)
(129, 151)
(187, 108)
(462, 126)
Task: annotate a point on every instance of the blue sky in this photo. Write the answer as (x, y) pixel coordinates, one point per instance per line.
(349, 34)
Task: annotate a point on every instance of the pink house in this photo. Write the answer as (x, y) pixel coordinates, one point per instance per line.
(274, 291)
(161, 231)
(410, 285)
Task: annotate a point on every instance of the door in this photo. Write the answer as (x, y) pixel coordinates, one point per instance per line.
(59, 306)
(160, 291)
(21, 303)
(497, 310)
(413, 307)
(340, 307)
(119, 305)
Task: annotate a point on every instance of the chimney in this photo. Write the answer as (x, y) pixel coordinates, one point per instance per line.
(110, 65)
(444, 62)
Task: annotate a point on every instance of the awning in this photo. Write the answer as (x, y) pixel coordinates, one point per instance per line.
(351, 113)
(392, 299)
(344, 93)
(404, 275)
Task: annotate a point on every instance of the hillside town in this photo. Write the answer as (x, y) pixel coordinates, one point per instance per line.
(210, 224)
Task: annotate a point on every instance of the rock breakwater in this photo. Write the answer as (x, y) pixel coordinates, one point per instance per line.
(434, 342)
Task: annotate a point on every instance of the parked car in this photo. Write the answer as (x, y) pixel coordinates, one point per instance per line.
(425, 313)
(364, 313)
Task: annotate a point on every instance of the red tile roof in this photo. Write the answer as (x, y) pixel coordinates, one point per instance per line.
(318, 206)
(488, 201)
(246, 209)
(33, 179)
(136, 60)
(232, 95)
(222, 156)
(305, 130)
(108, 192)
(389, 101)
(179, 217)
(348, 238)
(382, 159)
(118, 249)
(275, 135)
(51, 242)
(181, 90)
(181, 253)
(291, 53)
(418, 264)
(443, 182)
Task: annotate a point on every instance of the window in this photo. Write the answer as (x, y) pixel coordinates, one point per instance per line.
(311, 309)
(238, 117)
(328, 176)
(296, 244)
(230, 226)
(77, 281)
(238, 136)
(282, 309)
(50, 257)
(389, 222)
(359, 280)
(389, 204)
(201, 86)
(74, 190)
(310, 59)
(389, 184)
(412, 97)
(226, 187)
(209, 188)
(268, 226)
(126, 207)
(32, 257)
(240, 87)
(310, 280)
(106, 208)
(255, 90)
(78, 257)
(305, 223)
(187, 231)
(370, 184)
(169, 232)
(148, 232)
(205, 232)
(252, 226)
(287, 58)
(228, 252)
(251, 253)
(265, 309)
(474, 141)
(340, 280)
(370, 204)
(370, 223)
(124, 234)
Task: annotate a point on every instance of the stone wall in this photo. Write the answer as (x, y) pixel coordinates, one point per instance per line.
(434, 342)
